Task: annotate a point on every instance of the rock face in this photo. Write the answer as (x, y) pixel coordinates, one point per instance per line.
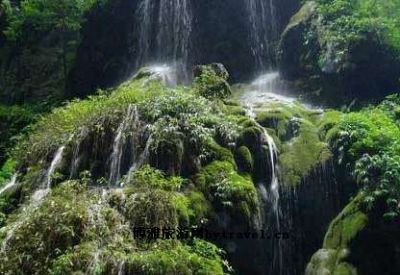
(358, 242)
(310, 56)
(291, 44)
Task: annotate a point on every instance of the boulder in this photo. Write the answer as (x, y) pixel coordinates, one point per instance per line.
(218, 68)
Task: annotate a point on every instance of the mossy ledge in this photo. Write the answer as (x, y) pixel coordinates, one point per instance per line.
(177, 168)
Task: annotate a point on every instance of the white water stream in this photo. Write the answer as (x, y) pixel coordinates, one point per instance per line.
(264, 91)
(164, 33)
(36, 199)
(129, 123)
(10, 184)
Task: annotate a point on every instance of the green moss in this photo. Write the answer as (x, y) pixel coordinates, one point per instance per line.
(200, 208)
(161, 257)
(330, 261)
(7, 170)
(56, 128)
(247, 122)
(227, 189)
(347, 225)
(333, 258)
(155, 208)
(149, 178)
(302, 153)
(345, 269)
(167, 258)
(330, 119)
(275, 119)
(217, 152)
(235, 110)
(211, 85)
(303, 15)
(250, 137)
(244, 159)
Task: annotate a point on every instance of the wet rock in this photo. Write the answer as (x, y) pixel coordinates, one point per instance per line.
(218, 68)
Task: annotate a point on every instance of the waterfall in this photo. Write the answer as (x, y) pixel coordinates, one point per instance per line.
(164, 33)
(273, 198)
(41, 193)
(121, 268)
(166, 74)
(174, 23)
(141, 160)
(145, 15)
(53, 166)
(128, 124)
(97, 221)
(36, 199)
(10, 184)
(263, 31)
(76, 152)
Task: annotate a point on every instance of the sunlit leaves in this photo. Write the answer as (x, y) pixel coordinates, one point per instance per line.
(370, 140)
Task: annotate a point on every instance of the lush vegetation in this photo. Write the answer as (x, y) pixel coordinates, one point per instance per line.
(337, 51)
(188, 143)
(33, 19)
(349, 21)
(91, 171)
(297, 130)
(369, 141)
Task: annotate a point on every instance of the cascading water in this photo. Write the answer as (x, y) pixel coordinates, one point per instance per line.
(265, 90)
(141, 160)
(128, 125)
(36, 199)
(175, 25)
(10, 184)
(273, 198)
(263, 31)
(287, 208)
(165, 29)
(76, 152)
(97, 221)
(53, 166)
(166, 74)
(145, 15)
(41, 193)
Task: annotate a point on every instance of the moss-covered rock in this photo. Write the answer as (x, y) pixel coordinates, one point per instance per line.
(296, 132)
(333, 51)
(291, 45)
(353, 231)
(250, 137)
(333, 258)
(211, 81)
(229, 191)
(244, 159)
(302, 153)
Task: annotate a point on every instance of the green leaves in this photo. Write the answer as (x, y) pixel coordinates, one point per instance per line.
(211, 85)
(348, 21)
(41, 16)
(369, 141)
(150, 178)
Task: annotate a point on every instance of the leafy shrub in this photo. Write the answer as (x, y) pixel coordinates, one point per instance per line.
(149, 178)
(369, 141)
(349, 21)
(210, 85)
(12, 120)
